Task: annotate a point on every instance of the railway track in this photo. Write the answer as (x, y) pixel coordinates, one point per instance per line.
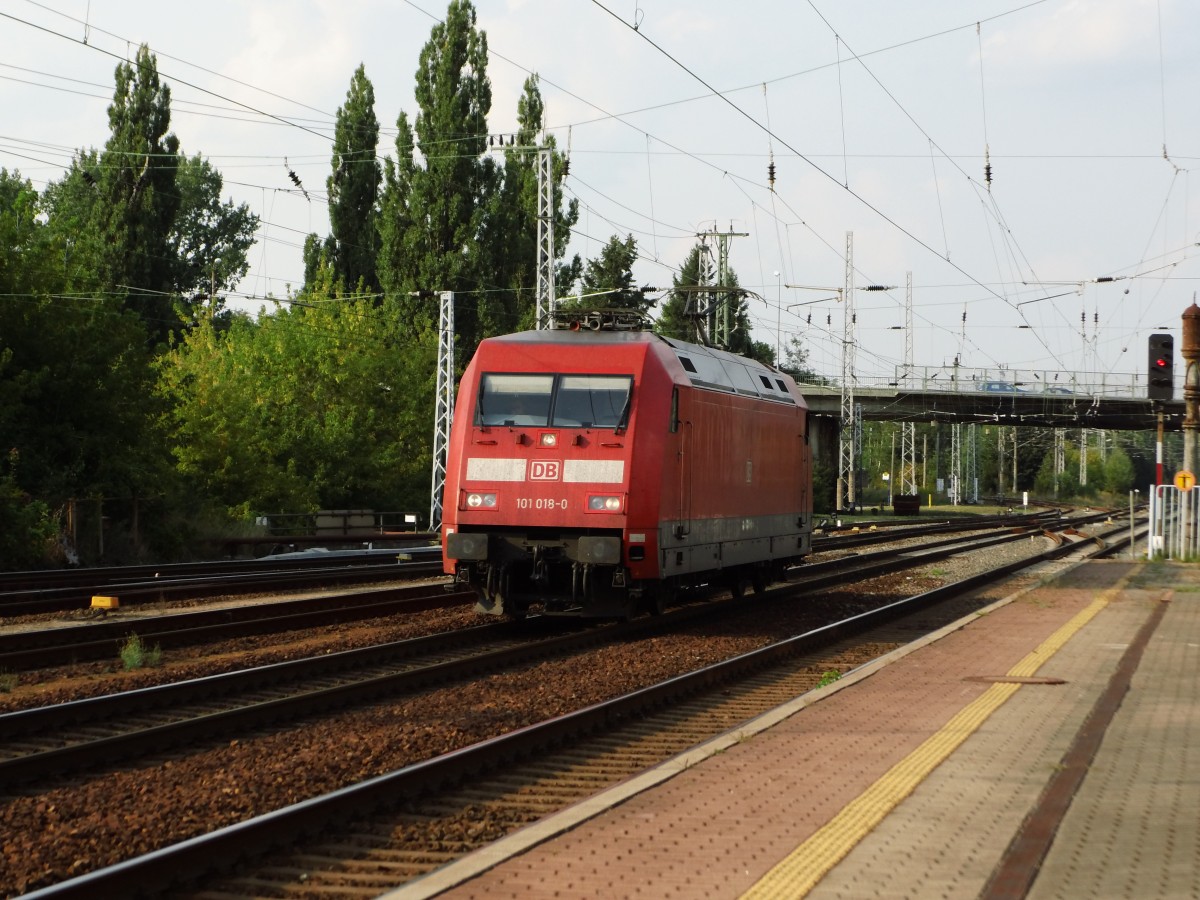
(33, 593)
(99, 731)
(525, 741)
(44, 648)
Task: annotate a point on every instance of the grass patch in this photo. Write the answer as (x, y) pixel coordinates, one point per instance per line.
(8, 682)
(829, 678)
(136, 655)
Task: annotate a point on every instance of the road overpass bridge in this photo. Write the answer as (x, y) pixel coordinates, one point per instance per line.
(1037, 399)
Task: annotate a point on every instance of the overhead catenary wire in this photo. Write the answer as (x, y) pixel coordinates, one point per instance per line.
(825, 173)
(173, 78)
(987, 152)
(654, 230)
(650, 185)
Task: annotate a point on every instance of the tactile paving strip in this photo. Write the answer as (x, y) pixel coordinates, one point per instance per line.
(946, 838)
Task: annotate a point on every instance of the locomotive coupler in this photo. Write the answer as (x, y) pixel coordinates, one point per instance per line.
(540, 574)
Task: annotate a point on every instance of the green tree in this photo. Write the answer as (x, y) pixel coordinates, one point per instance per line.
(27, 528)
(76, 383)
(74, 372)
(683, 311)
(134, 237)
(74, 210)
(139, 196)
(209, 239)
(309, 407)
(795, 362)
(354, 188)
(509, 242)
(399, 239)
(447, 198)
(607, 281)
(1118, 471)
(688, 308)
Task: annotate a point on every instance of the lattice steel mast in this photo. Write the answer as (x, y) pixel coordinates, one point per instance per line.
(908, 430)
(444, 408)
(545, 238)
(846, 474)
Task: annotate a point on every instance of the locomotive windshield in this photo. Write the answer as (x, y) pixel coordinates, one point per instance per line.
(564, 401)
(591, 401)
(515, 399)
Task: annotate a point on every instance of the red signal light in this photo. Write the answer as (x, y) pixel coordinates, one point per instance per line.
(1160, 364)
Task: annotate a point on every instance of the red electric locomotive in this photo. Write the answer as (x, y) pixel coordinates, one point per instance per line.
(591, 472)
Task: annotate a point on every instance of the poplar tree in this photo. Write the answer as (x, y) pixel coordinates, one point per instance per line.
(398, 239)
(354, 187)
(510, 240)
(138, 196)
(448, 197)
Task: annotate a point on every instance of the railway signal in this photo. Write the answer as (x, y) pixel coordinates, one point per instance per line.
(1161, 375)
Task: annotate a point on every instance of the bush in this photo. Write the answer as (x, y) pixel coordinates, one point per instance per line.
(27, 529)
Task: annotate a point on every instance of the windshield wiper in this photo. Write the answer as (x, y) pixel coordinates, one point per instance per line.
(623, 419)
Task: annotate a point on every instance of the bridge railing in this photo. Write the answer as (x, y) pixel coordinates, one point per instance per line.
(1012, 381)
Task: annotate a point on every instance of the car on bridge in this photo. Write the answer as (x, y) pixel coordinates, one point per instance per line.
(999, 387)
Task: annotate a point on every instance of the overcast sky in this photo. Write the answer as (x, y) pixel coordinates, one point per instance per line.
(877, 113)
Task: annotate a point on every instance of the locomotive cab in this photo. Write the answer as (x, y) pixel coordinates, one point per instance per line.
(539, 550)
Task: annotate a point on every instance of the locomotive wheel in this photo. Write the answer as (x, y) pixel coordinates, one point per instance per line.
(759, 582)
(737, 587)
(656, 601)
(659, 596)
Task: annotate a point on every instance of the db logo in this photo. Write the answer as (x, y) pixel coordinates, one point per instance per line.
(545, 470)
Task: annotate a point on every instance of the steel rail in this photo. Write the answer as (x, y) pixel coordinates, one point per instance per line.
(61, 646)
(89, 576)
(150, 590)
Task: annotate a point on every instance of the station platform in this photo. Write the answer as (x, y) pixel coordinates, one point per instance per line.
(1048, 747)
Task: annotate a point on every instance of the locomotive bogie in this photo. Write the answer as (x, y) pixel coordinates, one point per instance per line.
(572, 575)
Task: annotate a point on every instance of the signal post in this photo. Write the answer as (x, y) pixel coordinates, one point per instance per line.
(1160, 385)
(1191, 384)
(1190, 351)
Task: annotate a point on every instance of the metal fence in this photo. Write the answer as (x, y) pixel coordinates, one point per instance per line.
(1174, 523)
(335, 522)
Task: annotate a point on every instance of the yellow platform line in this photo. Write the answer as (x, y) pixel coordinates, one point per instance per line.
(804, 867)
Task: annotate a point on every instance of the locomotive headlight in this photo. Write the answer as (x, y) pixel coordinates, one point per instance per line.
(481, 501)
(602, 503)
(547, 439)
